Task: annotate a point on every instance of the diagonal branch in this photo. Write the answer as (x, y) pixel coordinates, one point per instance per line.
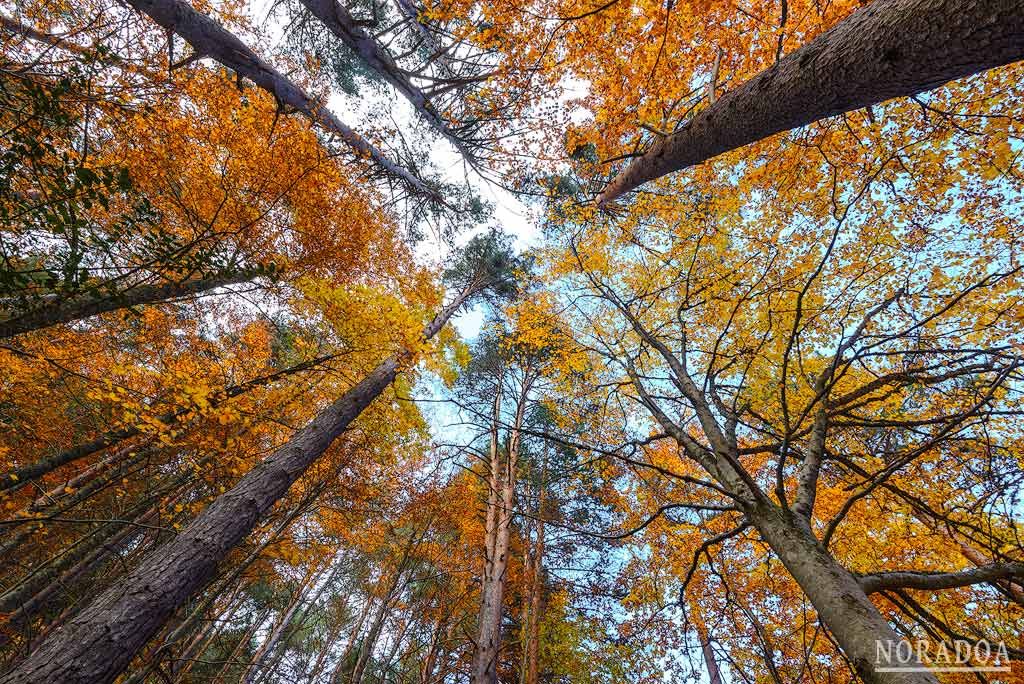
(210, 39)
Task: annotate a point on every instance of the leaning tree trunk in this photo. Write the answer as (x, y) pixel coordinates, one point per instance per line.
(210, 39)
(86, 305)
(842, 605)
(99, 642)
(891, 48)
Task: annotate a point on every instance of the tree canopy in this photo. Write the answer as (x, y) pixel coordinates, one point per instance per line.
(556, 341)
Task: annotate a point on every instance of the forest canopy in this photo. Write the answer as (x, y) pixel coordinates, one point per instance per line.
(534, 342)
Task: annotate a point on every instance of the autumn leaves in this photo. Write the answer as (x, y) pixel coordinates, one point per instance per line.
(794, 370)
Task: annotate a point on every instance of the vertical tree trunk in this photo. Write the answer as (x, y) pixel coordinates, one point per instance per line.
(710, 662)
(488, 646)
(100, 641)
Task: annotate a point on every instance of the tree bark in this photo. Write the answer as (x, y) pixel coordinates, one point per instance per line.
(99, 643)
(210, 39)
(891, 48)
(488, 642)
(838, 598)
(86, 305)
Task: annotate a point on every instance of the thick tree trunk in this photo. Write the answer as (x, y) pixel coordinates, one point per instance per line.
(891, 48)
(210, 39)
(842, 606)
(99, 643)
(84, 305)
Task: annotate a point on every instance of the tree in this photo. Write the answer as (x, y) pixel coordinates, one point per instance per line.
(888, 49)
(757, 383)
(131, 613)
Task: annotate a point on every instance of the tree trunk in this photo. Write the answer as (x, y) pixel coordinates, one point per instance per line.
(714, 675)
(298, 598)
(488, 642)
(242, 641)
(842, 606)
(532, 651)
(210, 39)
(86, 305)
(99, 643)
(891, 48)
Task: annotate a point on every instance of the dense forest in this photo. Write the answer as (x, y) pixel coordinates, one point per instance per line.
(511, 341)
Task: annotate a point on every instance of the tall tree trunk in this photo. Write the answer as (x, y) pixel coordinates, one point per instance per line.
(352, 641)
(210, 39)
(891, 48)
(383, 613)
(99, 643)
(488, 643)
(531, 650)
(245, 639)
(285, 618)
(86, 305)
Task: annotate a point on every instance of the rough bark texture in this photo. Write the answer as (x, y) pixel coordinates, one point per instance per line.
(99, 642)
(891, 48)
(210, 39)
(84, 306)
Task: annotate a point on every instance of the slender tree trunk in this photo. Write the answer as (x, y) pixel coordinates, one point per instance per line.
(891, 48)
(710, 662)
(350, 646)
(329, 643)
(536, 596)
(252, 672)
(99, 642)
(244, 640)
(210, 39)
(86, 305)
(488, 643)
